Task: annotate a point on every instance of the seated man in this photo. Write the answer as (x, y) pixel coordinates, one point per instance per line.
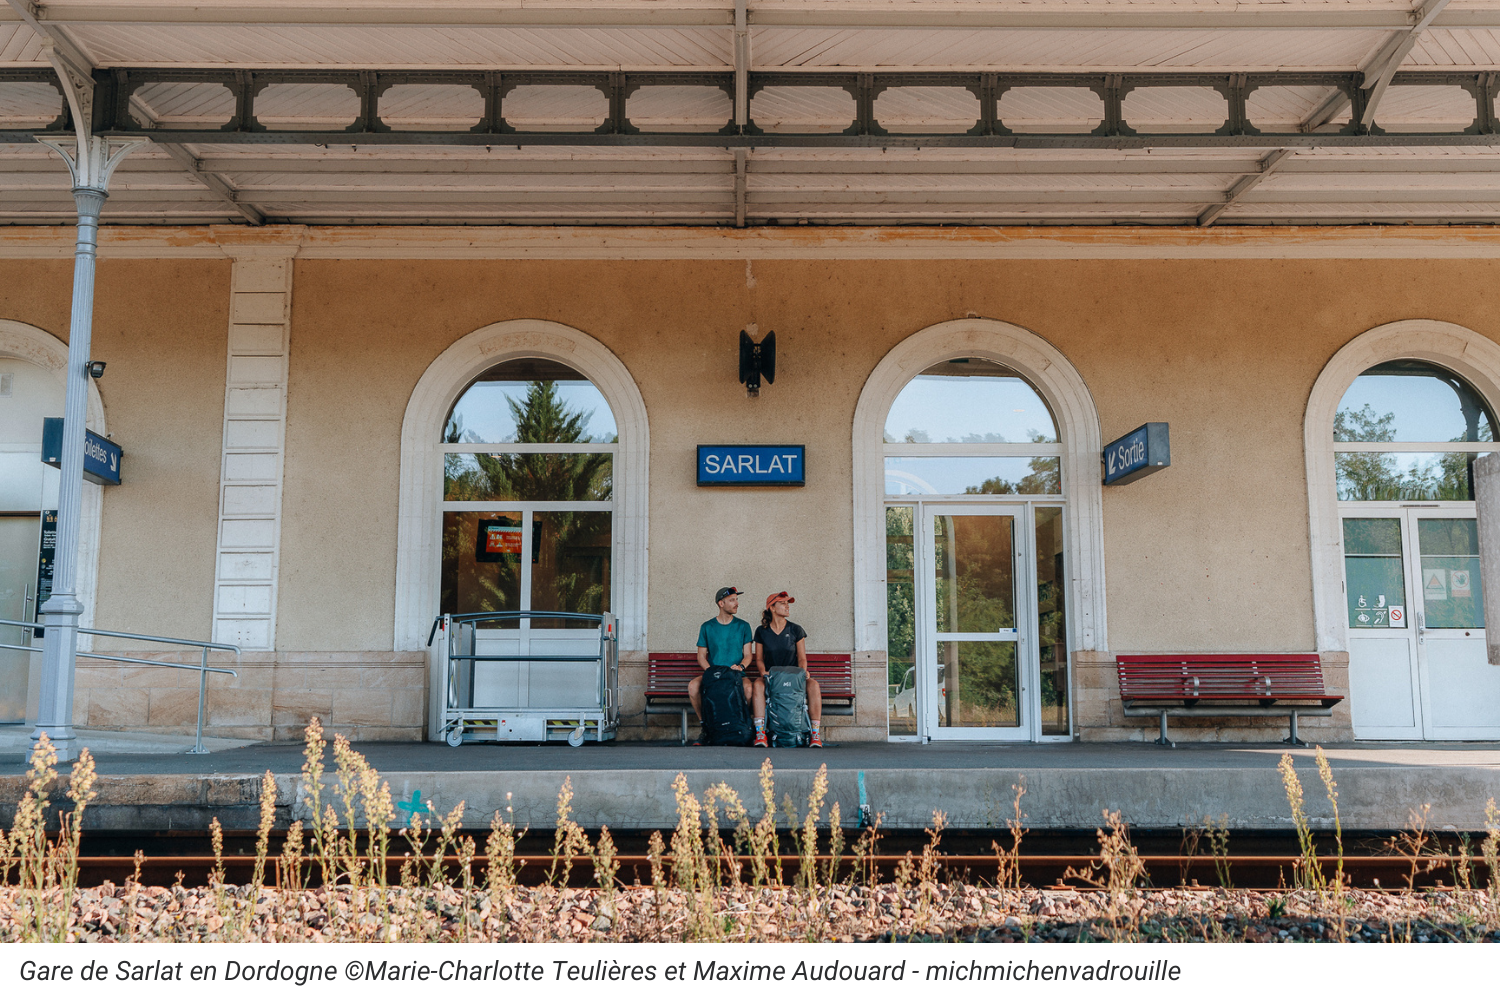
(722, 694)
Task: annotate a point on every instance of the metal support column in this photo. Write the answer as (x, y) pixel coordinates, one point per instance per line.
(91, 162)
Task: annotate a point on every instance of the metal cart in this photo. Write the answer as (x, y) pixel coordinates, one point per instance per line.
(510, 682)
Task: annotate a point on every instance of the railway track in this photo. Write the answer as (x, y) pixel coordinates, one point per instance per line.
(1246, 871)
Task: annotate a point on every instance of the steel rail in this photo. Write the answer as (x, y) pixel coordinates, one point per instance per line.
(1249, 871)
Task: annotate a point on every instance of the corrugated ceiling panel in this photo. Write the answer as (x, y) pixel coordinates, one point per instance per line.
(927, 109)
(20, 45)
(1441, 47)
(134, 45)
(797, 109)
(1064, 49)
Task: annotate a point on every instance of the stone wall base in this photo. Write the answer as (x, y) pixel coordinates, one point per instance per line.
(361, 695)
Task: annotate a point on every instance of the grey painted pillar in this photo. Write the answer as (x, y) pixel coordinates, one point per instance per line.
(61, 611)
(91, 161)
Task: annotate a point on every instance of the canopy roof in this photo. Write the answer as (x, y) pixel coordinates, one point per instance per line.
(824, 111)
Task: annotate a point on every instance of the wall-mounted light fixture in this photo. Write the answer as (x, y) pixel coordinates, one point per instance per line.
(96, 369)
(757, 360)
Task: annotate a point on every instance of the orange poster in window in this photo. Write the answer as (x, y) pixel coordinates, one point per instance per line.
(500, 540)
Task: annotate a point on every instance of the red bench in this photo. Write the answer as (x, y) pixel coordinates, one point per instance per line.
(667, 677)
(1224, 684)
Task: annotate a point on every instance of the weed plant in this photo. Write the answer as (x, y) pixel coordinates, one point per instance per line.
(722, 876)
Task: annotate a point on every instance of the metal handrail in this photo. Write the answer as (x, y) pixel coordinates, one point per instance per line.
(201, 666)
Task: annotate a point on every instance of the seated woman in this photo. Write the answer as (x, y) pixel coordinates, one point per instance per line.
(781, 656)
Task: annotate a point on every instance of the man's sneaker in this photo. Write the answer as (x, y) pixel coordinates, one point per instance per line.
(698, 740)
(817, 739)
(760, 739)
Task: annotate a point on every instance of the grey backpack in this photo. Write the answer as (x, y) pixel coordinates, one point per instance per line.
(786, 708)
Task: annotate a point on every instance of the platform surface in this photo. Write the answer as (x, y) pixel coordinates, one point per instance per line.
(629, 785)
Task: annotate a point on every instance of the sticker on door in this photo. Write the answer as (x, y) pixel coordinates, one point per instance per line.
(1458, 583)
(1435, 585)
(1398, 616)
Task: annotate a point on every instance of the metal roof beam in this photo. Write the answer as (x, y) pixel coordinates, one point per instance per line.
(212, 181)
(1243, 186)
(75, 70)
(687, 16)
(1381, 70)
(1378, 77)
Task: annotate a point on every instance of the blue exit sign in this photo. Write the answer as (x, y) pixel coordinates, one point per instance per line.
(751, 465)
(1145, 450)
(101, 456)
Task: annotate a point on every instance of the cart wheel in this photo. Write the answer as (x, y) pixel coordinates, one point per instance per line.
(575, 738)
(456, 736)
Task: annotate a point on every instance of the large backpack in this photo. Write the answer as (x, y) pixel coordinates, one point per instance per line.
(786, 708)
(726, 717)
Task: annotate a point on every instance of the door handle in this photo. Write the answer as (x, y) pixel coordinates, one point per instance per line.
(1421, 626)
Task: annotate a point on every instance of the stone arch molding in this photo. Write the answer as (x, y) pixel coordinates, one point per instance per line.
(1078, 422)
(419, 529)
(32, 344)
(1459, 349)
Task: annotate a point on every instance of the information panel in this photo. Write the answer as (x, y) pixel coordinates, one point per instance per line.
(751, 465)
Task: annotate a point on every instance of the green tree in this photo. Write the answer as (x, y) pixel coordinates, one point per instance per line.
(1377, 475)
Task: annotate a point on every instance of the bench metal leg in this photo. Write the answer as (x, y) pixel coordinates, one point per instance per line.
(1162, 740)
(684, 727)
(1294, 739)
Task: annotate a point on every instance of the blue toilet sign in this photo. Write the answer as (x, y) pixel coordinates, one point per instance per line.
(1145, 450)
(751, 465)
(101, 456)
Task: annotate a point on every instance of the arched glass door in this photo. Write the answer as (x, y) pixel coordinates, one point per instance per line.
(1406, 436)
(975, 613)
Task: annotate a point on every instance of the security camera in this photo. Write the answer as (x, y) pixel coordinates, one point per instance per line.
(96, 369)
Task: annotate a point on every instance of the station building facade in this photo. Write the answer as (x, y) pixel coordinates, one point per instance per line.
(321, 425)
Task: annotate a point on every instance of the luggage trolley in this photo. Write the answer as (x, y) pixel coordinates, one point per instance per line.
(509, 682)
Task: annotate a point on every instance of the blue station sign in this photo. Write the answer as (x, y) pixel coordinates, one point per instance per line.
(751, 465)
(101, 456)
(1145, 450)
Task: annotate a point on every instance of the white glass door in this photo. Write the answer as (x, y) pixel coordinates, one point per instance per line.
(1417, 665)
(977, 679)
(1460, 690)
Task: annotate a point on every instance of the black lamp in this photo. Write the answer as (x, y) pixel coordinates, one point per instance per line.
(757, 360)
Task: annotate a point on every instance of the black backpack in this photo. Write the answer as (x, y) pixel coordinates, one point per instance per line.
(726, 717)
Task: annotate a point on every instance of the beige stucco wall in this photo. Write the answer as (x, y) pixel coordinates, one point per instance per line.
(162, 327)
(1209, 555)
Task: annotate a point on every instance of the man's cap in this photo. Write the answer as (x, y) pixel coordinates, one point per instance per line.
(780, 596)
(725, 592)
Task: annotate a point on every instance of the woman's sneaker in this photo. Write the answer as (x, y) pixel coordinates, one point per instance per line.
(761, 740)
(817, 739)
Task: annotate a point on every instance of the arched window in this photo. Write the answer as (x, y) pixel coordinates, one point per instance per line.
(1409, 431)
(971, 426)
(528, 498)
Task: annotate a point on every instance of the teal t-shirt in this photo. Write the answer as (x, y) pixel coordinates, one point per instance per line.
(725, 643)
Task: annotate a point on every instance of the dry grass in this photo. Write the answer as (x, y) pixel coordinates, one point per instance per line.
(719, 878)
